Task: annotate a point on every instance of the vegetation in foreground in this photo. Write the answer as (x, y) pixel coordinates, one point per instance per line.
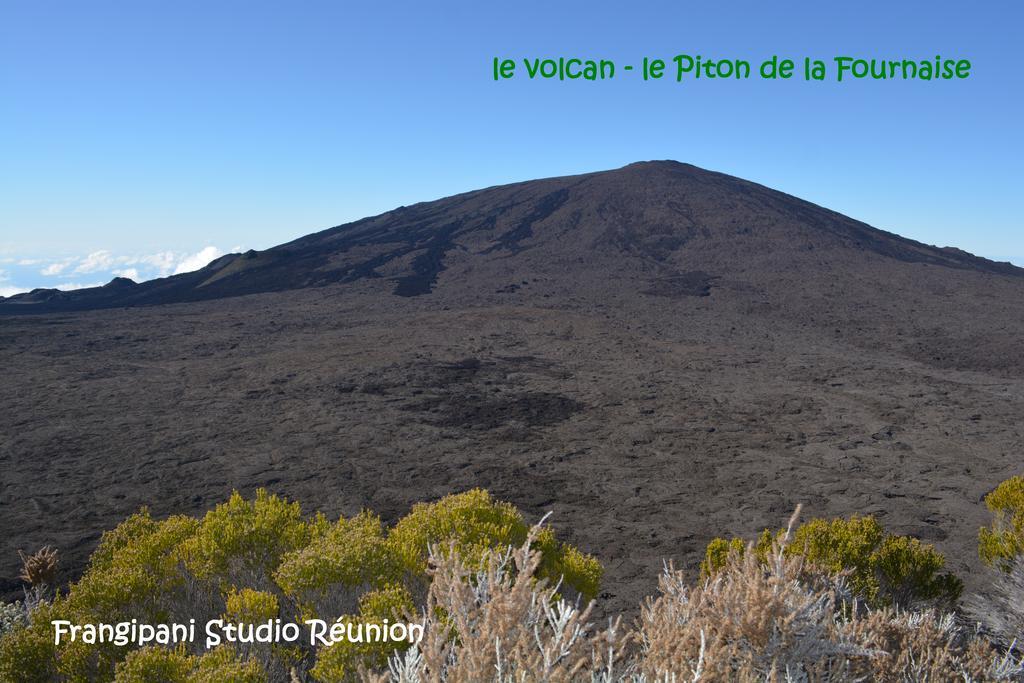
(826, 600)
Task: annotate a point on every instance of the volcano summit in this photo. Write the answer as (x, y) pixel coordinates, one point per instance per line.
(659, 354)
(646, 223)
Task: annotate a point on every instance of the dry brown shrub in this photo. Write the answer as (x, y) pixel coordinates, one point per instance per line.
(502, 624)
(1000, 611)
(781, 621)
(920, 646)
(40, 568)
(749, 622)
(775, 621)
(784, 621)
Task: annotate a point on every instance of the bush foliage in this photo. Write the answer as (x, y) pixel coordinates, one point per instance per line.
(164, 665)
(253, 560)
(1003, 541)
(882, 569)
(496, 599)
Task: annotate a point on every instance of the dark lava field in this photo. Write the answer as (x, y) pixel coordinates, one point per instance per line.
(658, 354)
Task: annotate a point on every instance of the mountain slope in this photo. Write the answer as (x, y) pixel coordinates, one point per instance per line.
(657, 354)
(668, 220)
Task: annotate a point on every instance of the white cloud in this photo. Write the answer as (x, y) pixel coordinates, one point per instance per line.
(9, 290)
(56, 267)
(68, 286)
(76, 272)
(97, 260)
(197, 260)
(163, 261)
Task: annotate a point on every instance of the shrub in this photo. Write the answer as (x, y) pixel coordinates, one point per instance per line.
(344, 660)
(774, 610)
(340, 562)
(756, 616)
(882, 569)
(1000, 609)
(164, 665)
(720, 550)
(472, 523)
(250, 606)
(909, 571)
(999, 544)
(571, 567)
(761, 618)
(135, 573)
(490, 620)
(156, 665)
(251, 561)
(27, 654)
(245, 536)
(468, 523)
(125, 534)
(391, 602)
(12, 615)
(40, 568)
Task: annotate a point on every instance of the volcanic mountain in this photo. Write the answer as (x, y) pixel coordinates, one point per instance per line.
(668, 228)
(659, 354)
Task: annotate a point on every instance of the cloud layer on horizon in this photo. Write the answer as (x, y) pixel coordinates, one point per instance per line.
(23, 274)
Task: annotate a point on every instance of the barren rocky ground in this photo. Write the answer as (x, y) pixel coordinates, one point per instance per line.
(657, 354)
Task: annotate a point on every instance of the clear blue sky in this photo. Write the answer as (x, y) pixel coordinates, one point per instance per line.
(135, 135)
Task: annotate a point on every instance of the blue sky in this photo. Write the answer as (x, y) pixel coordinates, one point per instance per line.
(143, 137)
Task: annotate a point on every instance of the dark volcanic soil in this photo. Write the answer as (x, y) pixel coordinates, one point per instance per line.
(657, 354)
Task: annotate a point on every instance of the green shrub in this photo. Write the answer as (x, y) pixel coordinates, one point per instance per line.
(470, 523)
(249, 606)
(245, 535)
(720, 550)
(255, 560)
(343, 660)
(164, 665)
(352, 554)
(883, 569)
(155, 665)
(390, 602)
(908, 571)
(718, 553)
(124, 535)
(576, 569)
(27, 653)
(136, 570)
(134, 575)
(999, 544)
(222, 665)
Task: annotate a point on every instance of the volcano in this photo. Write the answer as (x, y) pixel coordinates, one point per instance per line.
(669, 223)
(659, 354)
